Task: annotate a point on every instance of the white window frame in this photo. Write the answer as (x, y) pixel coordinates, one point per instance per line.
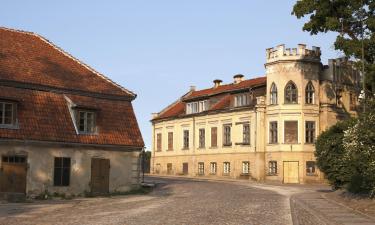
(13, 114)
(201, 168)
(226, 168)
(213, 167)
(85, 122)
(241, 100)
(245, 167)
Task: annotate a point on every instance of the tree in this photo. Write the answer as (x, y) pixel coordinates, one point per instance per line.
(330, 154)
(359, 143)
(353, 20)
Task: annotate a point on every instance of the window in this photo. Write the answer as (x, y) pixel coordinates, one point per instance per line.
(273, 132)
(227, 135)
(272, 167)
(196, 107)
(241, 100)
(202, 138)
(186, 139)
(169, 168)
(86, 122)
(170, 141)
(245, 167)
(14, 159)
(291, 132)
(310, 168)
(200, 168)
(61, 176)
(213, 168)
(273, 94)
(246, 134)
(7, 113)
(291, 93)
(214, 137)
(226, 168)
(310, 131)
(158, 142)
(310, 93)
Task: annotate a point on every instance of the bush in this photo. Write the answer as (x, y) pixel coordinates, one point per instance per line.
(330, 154)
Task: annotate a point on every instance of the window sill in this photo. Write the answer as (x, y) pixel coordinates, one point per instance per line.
(290, 103)
(294, 143)
(226, 174)
(311, 174)
(158, 151)
(273, 143)
(212, 174)
(243, 144)
(245, 174)
(12, 127)
(88, 134)
(306, 143)
(201, 148)
(169, 150)
(227, 146)
(272, 174)
(185, 149)
(215, 147)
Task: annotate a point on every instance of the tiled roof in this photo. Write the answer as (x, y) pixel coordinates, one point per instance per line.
(222, 93)
(28, 57)
(44, 116)
(228, 87)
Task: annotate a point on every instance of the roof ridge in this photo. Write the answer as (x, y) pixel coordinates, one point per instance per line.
(71, 57)
(230, 84)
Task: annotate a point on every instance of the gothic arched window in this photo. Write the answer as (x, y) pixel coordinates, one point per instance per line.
(291, 92)
(273, 94)
(310, 93)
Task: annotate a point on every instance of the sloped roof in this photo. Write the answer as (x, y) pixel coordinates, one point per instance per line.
(45, 116)
(222, 93)
(29, 58)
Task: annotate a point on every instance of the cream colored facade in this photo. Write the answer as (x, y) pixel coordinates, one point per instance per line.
(280, 161)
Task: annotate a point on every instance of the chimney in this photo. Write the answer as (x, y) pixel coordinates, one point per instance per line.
(238, 78)
(217, 83)
(192, 88)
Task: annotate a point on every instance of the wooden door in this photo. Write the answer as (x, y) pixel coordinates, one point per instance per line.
(13, 177)
(291, 172)
(185, 168)
(100, 176)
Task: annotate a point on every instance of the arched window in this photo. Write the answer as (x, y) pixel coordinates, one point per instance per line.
(291, 92)
(273, 94)
(309, 93)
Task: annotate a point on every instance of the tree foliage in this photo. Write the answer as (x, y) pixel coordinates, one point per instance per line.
(330, 154)
(353, 20)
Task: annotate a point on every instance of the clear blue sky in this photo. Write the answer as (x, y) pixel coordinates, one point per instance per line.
(159, 48)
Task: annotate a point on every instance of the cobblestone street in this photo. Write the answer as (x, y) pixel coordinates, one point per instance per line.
(184, 201)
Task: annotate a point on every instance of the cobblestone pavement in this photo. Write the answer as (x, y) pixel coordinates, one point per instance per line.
(185, 201)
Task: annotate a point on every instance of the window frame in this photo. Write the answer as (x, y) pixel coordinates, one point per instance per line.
(310, 94)
(227, 135)
(213, 168)
(62, 168)
(159, 142)
(246, 134)
(313, 172)
(226, 168)
(85, 122)
(273, 94)
(241, 100)
(272, 168)
(202, 138)
(13, 116)
(273, 132)
(200, 168)
(310, 132)
(290, 92)
(214, 137)
(186, 140)
(245, 168)
(170, 141)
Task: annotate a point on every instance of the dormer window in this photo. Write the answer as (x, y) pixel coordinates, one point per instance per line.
(241, 100)
(196, 107)
(86, 123)
(7, 114)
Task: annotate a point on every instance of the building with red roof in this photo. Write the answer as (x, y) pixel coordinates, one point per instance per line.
(64, 127)
(262, 128)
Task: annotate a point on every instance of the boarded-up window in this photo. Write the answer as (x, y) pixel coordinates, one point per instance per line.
(158, 142)
(273, 132)
(213, 136)
(202, 138)
(61, 176)
(170, 141)
(291, 131)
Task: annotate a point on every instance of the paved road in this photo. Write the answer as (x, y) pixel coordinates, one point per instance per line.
(183, 201)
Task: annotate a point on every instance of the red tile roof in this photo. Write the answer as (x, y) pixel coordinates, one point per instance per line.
(44, 115)
(28, 57)
(222, 93)
(228, 87)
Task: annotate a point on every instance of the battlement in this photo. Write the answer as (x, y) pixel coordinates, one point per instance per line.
(301, 52)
